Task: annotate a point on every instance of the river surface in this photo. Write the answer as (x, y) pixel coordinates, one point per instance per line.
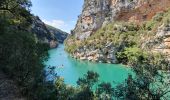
(71, 69)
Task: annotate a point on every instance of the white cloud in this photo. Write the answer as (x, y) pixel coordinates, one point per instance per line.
(60, 24)
(73, 21)
(55, 23)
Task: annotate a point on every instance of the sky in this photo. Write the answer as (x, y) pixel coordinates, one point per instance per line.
(62, 14)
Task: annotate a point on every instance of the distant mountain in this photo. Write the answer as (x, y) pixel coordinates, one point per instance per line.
(59, 34)
(42, 33)
(46, 33)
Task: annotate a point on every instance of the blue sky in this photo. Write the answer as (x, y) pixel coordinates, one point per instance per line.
(61, 14)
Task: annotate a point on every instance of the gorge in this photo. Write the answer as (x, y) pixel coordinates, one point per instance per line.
(113, 31)
(118, 50)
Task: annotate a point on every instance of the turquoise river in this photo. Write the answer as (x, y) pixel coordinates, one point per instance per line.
(71, 69)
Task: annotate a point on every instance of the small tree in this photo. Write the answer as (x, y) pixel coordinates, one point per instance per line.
(86, 84)
(148, 84)
(104, 91)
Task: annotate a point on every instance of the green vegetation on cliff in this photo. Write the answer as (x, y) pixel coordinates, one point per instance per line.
(22, 57)
(126, 37)
(59, 34)
(132, 43)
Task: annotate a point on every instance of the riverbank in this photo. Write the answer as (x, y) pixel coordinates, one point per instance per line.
(105, 55)
(74, 68)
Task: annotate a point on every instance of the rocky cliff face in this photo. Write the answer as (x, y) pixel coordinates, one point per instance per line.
(42, 33)
(105, 55)
(59, 34)
(164, 33)
(161, 41)
(97, 14)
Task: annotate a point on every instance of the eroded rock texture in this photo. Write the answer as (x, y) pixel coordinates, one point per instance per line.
(97, 13)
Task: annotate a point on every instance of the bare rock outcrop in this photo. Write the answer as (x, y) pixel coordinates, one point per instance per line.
(97, 13)
(164, 34)
(42, 33)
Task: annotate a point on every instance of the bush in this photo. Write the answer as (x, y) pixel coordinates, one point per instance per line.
(131, 55)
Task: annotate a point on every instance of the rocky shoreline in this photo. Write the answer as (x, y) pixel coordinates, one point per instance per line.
(104, 55)
(85, 45)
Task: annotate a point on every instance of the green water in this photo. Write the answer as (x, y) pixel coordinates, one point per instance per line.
(73, 69)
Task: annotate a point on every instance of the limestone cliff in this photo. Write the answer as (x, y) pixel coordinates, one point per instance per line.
(59, 34)
(95, 39)
(47, 34)
(161, 41)
(164, 45)
(42, 33)
(97, 13)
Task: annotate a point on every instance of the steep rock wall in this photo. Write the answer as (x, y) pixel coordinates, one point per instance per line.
(164, 45)
(97, 13)
(42, 33)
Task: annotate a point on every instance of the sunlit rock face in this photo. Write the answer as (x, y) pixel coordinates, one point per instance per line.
(161, 41)
(164, 45)
(97, 13)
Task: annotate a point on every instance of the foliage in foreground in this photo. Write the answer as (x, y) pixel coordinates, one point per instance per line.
(149, 83)
(21, 56)
(151, 70)
(22, 60)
